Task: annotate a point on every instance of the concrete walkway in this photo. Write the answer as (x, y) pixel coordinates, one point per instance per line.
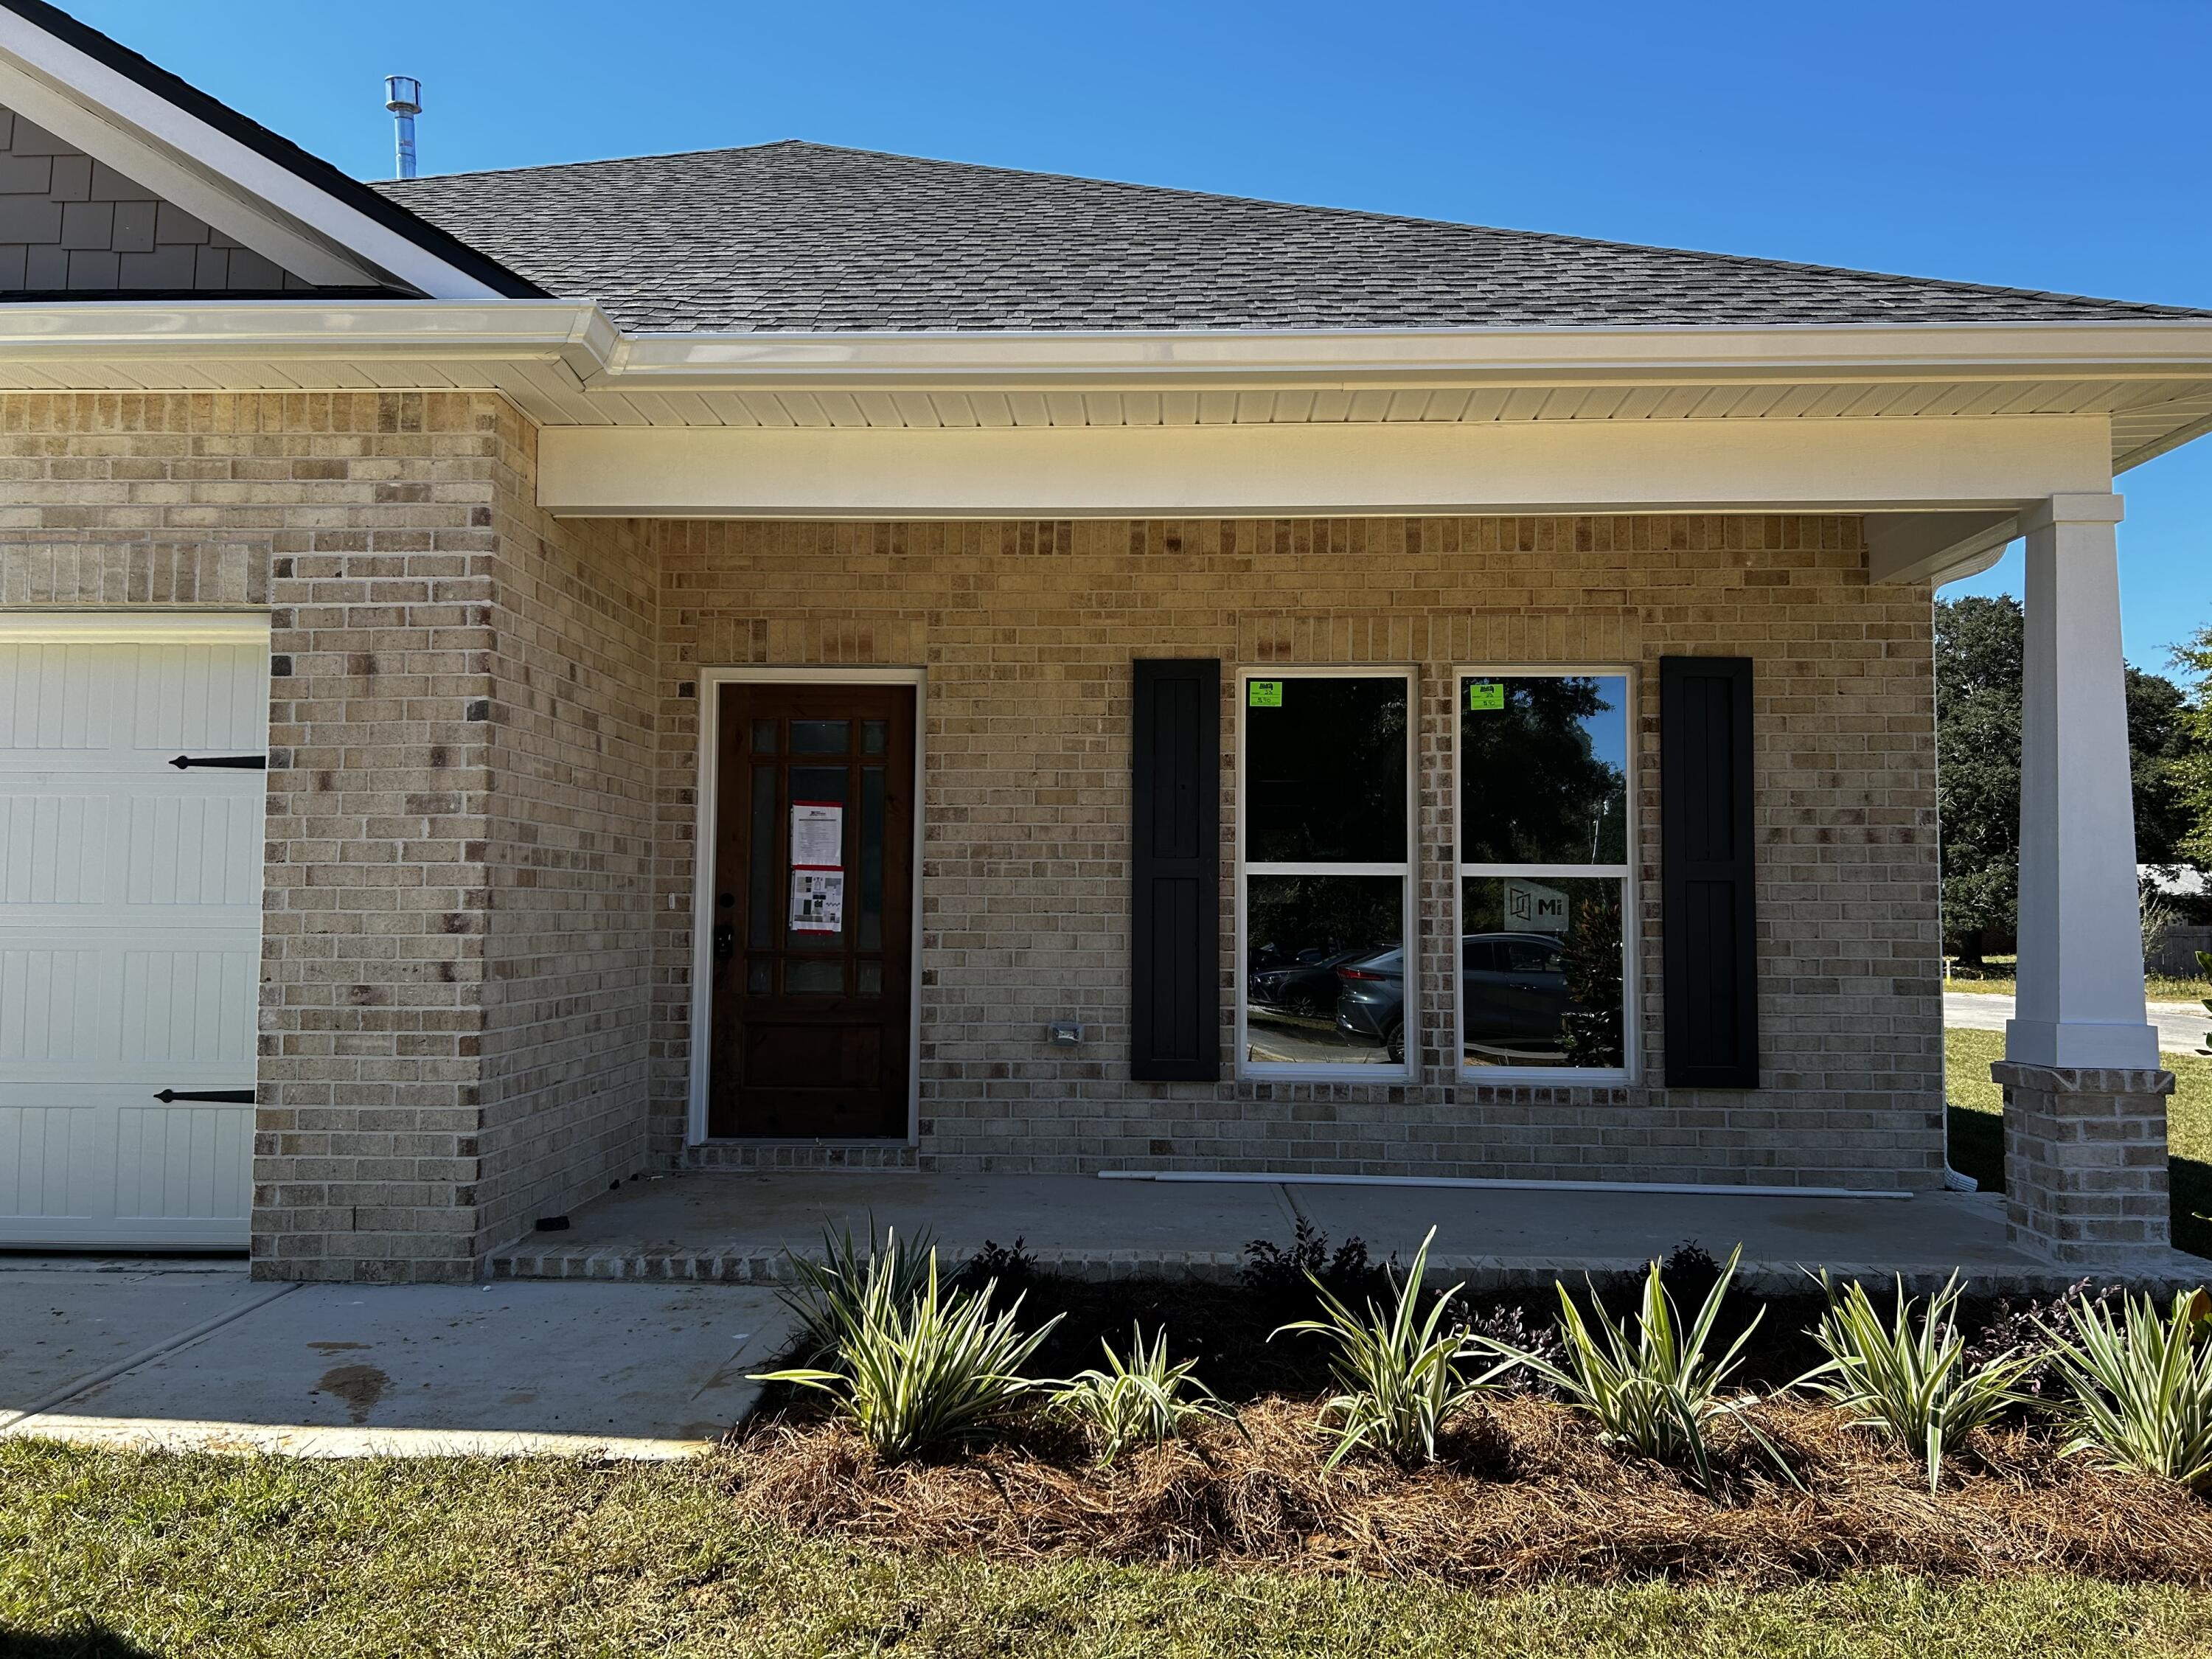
(182, 1359)
(2181, 1025)
(741, 1226)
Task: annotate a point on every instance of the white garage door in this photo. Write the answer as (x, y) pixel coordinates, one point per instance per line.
(130, 926)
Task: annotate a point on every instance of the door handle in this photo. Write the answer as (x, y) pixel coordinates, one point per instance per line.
(725, 942)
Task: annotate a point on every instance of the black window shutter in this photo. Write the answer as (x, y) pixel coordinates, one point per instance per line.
(1706, 873)
(1175, 1001)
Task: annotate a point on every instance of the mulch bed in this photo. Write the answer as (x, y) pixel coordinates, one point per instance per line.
(1527, 1492)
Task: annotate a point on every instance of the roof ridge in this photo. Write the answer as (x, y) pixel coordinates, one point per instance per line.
(1186, 192)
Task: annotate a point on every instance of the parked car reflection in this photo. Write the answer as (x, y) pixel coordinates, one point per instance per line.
(1305, 984)
(1513, 991)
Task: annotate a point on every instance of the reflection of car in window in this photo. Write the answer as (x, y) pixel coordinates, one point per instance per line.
(1305, 984)
(1513, 988)
(1370, 999)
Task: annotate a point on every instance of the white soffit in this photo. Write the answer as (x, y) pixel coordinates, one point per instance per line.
(565, 364)
(241, 192)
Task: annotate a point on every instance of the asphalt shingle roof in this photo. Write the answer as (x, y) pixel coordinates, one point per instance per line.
(797, 236)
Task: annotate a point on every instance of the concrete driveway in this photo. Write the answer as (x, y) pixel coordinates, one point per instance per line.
(2181, 1025)
(184, 1359)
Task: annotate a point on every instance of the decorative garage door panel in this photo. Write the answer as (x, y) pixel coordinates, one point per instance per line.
(130, 928)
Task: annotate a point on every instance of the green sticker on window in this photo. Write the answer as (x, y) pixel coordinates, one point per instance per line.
(1264, 694)
(1486, 694)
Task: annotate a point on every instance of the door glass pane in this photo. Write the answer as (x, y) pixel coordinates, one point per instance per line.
(1540, 971)
(875, 737)
(1325, 770)
(871, 979)
(872, 858)
(818, 783)
(1543, 770)
(764, 737)
(760, 977)
(813, 976)
(760, 875)
(1325, 974)
(821, 737)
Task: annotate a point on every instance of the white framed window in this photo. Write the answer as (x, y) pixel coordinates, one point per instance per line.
(1328, 983)
(1543, 761)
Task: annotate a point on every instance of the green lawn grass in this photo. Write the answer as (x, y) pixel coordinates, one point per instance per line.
(1977, 1128)
(107, 1555)
(1995, 976)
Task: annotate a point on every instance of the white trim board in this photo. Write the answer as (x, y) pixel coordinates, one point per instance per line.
(1410, 468)
(700, 1057)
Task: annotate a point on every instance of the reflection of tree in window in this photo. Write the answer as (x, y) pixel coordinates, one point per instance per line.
(1325, 774)
(1534, 789)
(1322, 914)
(1590, 1028)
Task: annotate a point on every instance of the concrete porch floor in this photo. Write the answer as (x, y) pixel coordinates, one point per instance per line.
(731, 1226)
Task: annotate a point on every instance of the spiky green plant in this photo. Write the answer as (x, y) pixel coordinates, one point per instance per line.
(2142, 1385)
(1652, 1385)
(1398, 1370)
(825, 1295)
(1909, 1377)
(1141, 1400)
(911, 1376)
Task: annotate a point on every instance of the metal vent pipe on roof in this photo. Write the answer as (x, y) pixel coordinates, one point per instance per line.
(403, 96)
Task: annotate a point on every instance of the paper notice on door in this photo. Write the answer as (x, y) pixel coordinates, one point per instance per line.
(817, 901)
(818, 834)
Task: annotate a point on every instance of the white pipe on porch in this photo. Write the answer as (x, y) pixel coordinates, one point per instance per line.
(1692, 1189)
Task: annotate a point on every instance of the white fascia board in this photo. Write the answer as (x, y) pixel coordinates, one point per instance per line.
(615, 361)
(240, 192)
(2181, 347)
(1227, 471)
(491, 330)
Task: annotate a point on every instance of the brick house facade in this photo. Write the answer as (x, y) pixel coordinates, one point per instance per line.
(495, 623)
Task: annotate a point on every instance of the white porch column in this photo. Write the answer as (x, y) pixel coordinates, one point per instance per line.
(2085, 1106)
(2080, 998)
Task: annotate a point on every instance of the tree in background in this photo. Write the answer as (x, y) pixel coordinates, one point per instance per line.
(1977, 696)
(1977, 670)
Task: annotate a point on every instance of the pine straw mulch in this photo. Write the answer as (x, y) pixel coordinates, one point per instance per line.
(1526, 1492)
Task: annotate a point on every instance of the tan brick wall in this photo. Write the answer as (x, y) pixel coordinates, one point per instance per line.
(575, 669)
(477, 921)
(460, 769)
(1027, 631)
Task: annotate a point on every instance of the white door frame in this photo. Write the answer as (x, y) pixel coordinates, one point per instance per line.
(711, 681)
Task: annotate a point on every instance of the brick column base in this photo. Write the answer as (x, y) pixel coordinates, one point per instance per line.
(2085, 1161)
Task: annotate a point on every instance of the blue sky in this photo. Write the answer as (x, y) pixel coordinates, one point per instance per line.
(2031, 144)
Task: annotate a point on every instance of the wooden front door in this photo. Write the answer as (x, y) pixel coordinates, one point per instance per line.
(812, 942)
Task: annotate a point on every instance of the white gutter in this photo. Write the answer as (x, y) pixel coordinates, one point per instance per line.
(1787, 354)
(446, 331)
(487, 327)
(1688, 1188)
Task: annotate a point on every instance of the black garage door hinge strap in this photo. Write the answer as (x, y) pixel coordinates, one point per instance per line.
(221, 1097)
(240, 763)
